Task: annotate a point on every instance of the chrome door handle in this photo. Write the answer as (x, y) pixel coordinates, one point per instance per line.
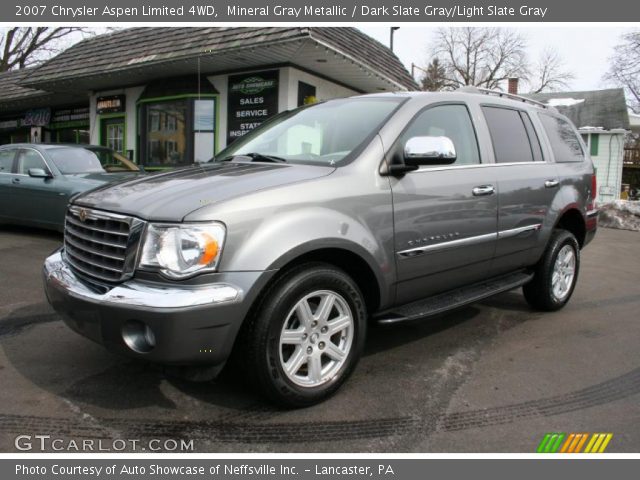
(551, 183)
(483, 190)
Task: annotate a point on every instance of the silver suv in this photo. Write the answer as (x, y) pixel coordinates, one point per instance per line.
(381, 208)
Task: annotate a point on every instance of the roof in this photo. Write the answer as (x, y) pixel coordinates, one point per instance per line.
(598, 108)
(14, 96)
(133, 53)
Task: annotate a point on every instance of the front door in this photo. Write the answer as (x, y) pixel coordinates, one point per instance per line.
(445, 216)
(37, 200)
(112, 134)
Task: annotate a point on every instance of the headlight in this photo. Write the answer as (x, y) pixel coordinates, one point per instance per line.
(180, 251)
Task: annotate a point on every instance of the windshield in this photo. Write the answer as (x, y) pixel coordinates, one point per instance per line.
(112, 161)
(75, 160)
(325, 133)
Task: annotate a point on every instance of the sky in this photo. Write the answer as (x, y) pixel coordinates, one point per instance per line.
(585, 49)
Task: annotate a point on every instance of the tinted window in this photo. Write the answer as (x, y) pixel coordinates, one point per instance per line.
(508, 134)
(30, 159)
(75, 160)
(452, 121)
(6, 160)
(564, 141)
(534, 141)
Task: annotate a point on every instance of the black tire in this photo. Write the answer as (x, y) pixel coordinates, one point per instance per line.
(260, 348)
(539, 293)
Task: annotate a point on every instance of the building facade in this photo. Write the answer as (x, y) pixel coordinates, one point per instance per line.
(172, 96)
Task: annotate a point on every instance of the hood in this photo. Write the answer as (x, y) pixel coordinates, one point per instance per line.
(102, 177)
(172, 195)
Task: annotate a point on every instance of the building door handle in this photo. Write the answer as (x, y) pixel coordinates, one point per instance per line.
(551, 183)
(15, 181)
(483, 190)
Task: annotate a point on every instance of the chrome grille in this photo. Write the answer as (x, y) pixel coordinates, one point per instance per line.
(101, 245)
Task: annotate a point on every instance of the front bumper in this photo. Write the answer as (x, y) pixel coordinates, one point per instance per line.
(190, 324)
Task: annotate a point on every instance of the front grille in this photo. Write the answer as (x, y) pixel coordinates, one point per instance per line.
(101, 245)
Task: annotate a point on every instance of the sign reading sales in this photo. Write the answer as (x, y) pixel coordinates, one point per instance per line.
(253, 98)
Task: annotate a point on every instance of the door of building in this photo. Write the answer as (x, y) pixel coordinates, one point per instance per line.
(112, 132)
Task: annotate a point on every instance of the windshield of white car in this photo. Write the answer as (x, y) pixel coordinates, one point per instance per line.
(72, 161)
(322, 134)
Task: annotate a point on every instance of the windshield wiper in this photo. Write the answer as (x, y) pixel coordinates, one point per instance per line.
(259, 157)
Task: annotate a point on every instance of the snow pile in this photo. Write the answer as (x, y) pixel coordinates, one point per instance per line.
(564, 102)
(621, 214)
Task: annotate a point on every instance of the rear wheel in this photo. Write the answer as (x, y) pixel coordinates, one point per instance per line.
(306, 336)
(556, 274)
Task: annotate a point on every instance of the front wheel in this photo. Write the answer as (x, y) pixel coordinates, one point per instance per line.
(556, 274)
(306, 335)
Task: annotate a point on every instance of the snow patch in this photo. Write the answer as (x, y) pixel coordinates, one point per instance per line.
(564, 102)
(620, 214)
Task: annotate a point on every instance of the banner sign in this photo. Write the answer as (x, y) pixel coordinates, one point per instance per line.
(252, 99)
(319, 11)
(110, 104)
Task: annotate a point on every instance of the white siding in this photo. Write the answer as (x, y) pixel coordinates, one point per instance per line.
(608, 164)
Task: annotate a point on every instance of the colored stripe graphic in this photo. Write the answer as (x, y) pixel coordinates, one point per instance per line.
(574, 442)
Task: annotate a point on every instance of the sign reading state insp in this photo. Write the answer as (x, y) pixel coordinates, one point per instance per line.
(253, 98)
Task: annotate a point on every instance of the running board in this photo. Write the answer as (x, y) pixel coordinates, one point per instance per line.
(446, 301)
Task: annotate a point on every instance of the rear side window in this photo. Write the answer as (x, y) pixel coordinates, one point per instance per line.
(564, 141)
(6, 160)
(512, 135)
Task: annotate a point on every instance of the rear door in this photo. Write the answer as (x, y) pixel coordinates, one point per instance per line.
(527, 185)
(445, 216)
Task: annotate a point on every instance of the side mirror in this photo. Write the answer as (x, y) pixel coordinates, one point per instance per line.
(39, 173)
(429, 151)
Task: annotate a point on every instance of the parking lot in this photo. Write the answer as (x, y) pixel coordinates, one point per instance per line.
(492, 377)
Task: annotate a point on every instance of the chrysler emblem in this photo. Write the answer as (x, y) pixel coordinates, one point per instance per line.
(82, 214)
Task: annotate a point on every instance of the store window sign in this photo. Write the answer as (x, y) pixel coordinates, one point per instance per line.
(203, 115)
(253, 98)
(37, 117)
(110, 104)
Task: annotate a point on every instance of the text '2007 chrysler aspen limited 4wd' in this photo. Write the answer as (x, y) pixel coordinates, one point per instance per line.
(382, 208)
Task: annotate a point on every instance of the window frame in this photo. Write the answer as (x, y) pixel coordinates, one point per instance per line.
(520, 113)
(398, 149)
(16, 162)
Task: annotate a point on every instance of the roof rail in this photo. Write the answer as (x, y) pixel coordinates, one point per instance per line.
(511, 96)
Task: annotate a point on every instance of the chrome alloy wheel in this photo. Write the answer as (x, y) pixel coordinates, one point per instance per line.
(564, 271)
(316, 338)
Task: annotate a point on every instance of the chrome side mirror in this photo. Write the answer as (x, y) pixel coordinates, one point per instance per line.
(429, 151)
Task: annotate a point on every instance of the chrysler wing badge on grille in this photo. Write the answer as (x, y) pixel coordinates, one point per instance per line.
(82, 214)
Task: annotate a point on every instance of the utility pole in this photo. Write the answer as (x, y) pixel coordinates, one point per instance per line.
(391, 32)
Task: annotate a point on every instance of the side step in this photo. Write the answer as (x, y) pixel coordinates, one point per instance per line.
(446, 301)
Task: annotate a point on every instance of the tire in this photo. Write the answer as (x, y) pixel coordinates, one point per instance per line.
(542, 293)
(294, 361)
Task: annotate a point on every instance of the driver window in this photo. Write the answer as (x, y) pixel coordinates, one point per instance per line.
(30, 159)
(452, 121)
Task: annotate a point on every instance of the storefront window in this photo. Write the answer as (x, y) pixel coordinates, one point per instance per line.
(73, 135)
(115, 137)
(167, 133)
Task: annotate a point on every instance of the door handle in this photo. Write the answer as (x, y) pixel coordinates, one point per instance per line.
(15, 181)
(483, 190)
(551, 183)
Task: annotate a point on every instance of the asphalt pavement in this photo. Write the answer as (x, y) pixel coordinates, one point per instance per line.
(491, 377)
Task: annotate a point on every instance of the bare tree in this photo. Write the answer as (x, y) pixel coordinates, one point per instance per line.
(435, 77)
(22, 47)
(549, 74)
(482, 57)
(624, 68)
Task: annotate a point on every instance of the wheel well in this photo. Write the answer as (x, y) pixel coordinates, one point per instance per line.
(572, 221)
(354, 265)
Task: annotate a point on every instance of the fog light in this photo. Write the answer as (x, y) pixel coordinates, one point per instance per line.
(138, 336)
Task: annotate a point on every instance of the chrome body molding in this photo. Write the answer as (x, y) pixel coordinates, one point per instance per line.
(139, 294)
(412, 252)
